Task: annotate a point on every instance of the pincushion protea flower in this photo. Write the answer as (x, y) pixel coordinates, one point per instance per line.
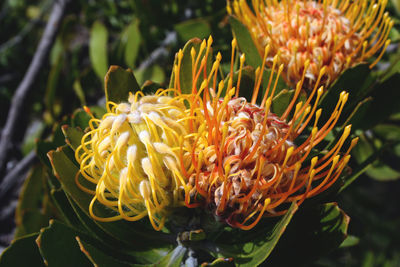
(208, 149)
(131, 155)
(334, 34)
(246, 161)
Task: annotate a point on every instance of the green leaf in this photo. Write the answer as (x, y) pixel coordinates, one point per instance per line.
(52, 85)
(246, 83)
(382, 104)
(185, 76)
(388, 132)
(133, 40)
(356, 118)
(350, 241)
(153, 73)
(280, 84)
(57, 139)
(73, 136)
(314, 231)
(34, 207)
(381, 169)
(98, 257)
(115, 248)
(381, 172)
(98, 49)
(80, 119)
(197, 235)
(150, 87)
(58, 246)
(221, 262)
(104, 242)
(31, 195)
(89, 224)
(56, 51)
(22, 252)
(61, 202)
(79, 91)
(42, 148)
(174, 258)
(281, 101)
(192, 28)
(356, 81)
(363, 167)
(33, 133)
(118, 84)
(245, 43)
(394, 59)
(97, 111)
(396, 4)
(32, 222)
(257, 249)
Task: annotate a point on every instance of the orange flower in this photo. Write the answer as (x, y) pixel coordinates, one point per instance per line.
(245, 161)
(332, 34)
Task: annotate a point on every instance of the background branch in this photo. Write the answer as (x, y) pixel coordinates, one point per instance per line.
(20, 96)
(16, 176)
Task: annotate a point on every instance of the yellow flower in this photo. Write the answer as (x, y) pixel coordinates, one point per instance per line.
(247, 162)
(131, 156)
(332, 34)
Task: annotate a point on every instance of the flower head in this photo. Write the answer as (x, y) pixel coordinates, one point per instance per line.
(131, 157)
(246, 161)
(334, 34)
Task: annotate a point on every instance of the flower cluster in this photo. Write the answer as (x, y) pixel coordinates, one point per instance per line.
(332, 34)
(211, 148)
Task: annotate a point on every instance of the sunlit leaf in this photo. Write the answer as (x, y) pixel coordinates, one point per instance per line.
(153, 73)
(185, 72)
(188, 29)
(133, 40)
(52, 85)
(73, 136)
(281, 101)
(118, 84)
(98, 49)
(79, 91)
(245, 43)
(350, 241)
